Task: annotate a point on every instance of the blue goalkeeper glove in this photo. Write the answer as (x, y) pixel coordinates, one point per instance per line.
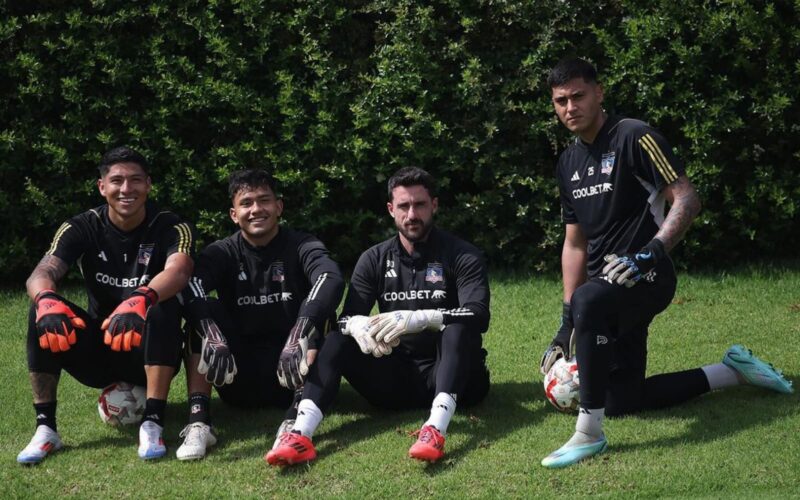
(629, 269)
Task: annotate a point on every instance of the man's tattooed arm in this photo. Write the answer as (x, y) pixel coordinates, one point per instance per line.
(684, 207)
(46, 275)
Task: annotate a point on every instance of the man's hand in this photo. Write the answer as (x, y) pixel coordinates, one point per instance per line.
(358, 327)
(125, 327)
(628, 269)
(216, 359)
(563, 344)
(55, 322)
(388, 327)
(293, 362)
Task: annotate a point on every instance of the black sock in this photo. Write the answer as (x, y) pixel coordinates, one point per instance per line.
(46, 414)
(199, 408)
(154, 410)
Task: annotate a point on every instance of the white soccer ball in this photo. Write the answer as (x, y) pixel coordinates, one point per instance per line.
(561, 385)
(122, 403)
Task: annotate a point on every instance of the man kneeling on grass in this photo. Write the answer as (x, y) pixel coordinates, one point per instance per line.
(615, 181)
(433, 296)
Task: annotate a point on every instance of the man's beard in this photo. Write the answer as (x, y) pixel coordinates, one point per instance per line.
(420, 234)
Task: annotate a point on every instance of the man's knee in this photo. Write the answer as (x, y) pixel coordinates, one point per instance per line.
(590, 304)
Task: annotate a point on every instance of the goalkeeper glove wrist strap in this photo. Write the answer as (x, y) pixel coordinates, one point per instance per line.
(566, 313)
(656, 248)
(148, 293)
(45, 293)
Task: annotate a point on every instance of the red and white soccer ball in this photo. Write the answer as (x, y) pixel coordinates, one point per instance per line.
(121, 403)
(561, 385)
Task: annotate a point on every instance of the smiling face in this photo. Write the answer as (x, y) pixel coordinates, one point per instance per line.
(412, 208)
(125, 187)
(257, 211)
(578, 104)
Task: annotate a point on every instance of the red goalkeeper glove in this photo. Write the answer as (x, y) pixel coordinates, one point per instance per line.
(55, 322)
(125, 327)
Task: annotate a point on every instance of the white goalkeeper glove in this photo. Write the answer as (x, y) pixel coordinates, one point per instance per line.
(388, 327)
(358, 328)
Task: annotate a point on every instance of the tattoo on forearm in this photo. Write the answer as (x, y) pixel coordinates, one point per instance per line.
(684, 209)
(44, 387)
(50, 267)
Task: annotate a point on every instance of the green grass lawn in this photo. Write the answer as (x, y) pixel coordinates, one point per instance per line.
(741, 442)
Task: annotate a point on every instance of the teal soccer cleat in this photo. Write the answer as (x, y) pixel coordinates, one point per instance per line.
(572, 454)
(755, 371)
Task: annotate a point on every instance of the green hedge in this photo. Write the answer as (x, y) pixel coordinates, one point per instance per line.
(334, 98)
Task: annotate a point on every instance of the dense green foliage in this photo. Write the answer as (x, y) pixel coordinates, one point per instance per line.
(334, 96)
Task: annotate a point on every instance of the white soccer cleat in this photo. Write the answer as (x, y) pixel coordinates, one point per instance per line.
(285, 428)
(198, 437)
(151, 444)
(45, 441)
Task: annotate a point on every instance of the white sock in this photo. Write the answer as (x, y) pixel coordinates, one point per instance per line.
(720, 376)
(590, 422)
(588, 428)
(308, 418)
(442, 410)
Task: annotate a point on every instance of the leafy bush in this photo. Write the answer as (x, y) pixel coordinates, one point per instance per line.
(334, 96)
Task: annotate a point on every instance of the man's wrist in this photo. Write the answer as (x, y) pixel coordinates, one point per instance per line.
(44, 293)
(656, 248)
(150, 294)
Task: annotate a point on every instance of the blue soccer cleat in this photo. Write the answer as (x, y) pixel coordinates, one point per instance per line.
(572, 454)
(755, 371)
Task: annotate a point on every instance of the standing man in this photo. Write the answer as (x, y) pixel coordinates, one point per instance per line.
(615, 182)
(134, 259)
(426, 344)
(277, 290)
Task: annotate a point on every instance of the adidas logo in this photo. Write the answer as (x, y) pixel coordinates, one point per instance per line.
(391, 273)
(242, 276)
(575, 177)
(102, 255)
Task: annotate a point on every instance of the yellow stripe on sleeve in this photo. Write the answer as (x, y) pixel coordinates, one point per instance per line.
(184, 238)
(61, 230)
(659, 160)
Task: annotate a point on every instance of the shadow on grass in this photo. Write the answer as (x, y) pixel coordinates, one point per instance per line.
(501, 413)
(718, 415)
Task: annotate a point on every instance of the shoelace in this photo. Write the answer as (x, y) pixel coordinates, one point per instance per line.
(427, 437)
(193, 434)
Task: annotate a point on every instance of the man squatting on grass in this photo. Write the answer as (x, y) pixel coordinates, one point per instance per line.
(426, 343)
(277, 290)
(614, 182)
(134, 259)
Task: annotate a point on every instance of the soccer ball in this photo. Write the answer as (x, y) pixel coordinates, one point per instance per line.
(121, 403)
(561, 385)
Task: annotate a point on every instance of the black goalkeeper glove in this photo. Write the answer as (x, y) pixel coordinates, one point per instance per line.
(629, 269)
(293, 362)
(216, 359)
(562, 344)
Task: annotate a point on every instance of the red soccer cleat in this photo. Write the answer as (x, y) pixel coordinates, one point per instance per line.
(429, 446)
(292, 449)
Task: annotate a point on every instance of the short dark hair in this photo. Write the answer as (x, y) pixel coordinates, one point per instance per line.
(569, 69)
(250, 179)
(122, 154)
(412, 176)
